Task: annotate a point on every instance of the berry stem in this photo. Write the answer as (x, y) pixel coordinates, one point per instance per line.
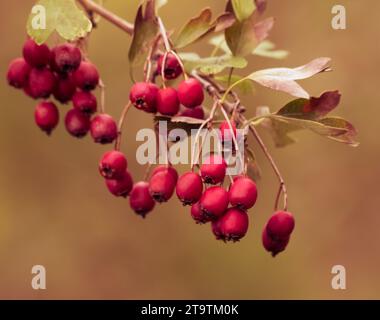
(164, 36)
(102, 96)
(120, 126)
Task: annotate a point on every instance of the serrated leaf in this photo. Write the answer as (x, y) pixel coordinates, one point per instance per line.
(245, 87)
(62, 16)
(265, 49)
(243, 9)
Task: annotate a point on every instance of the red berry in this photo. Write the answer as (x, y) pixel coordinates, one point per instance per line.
(243, 193)
(213, 169)
(36, 55)
(280, 225)
(18, 73)
(197, 214)
(85, 102)
(197, 113)
(225, 131)
(140, 199)
(46, 116)
(167, 102)
(113, 164)
(122, 186)
(232, 226)
(103, 129)
(172, 67)
(66, 58)
(214, 202)
(190, 93)
(41, 83)
(170, 169)
(275, 246)
(86, 77)
(64, 89)
(143, 96)
(189, 188)
(161, 186)
(77, 124)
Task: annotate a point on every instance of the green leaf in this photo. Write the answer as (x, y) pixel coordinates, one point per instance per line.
(245, 87)
(266, 49)
(62, 16)
(160, 4)
(243, 8)
(219, 42)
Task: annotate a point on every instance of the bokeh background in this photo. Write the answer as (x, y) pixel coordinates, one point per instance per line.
(55, 210)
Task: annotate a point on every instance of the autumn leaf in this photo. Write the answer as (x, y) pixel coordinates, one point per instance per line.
(266, 49)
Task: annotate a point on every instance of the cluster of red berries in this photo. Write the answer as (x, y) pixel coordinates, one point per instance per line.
(64, 73)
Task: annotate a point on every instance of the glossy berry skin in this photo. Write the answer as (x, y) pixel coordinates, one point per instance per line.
(214, 202)
(167, 101)
(113, 165)
(18, 73)
(225, 131)
(122, 186)
(172, 67)
(85, 102)
(189, 188)
(140, 199)
(243, 193)
(46, 116)
(143, 96)
(198, 216)
(162, 186)
(280, 225)
(190, 93)
(103, 129)
(232, 226)
(213, 169)
(64, 89)
(86, 77)
(77, 124)
(196, 113)
(172, 171)
(35, 55)
(41, 83)
(274, 246)
(65, 58)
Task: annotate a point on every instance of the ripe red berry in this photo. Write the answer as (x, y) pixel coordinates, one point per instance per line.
(214, 202)
(167, 102)
(36, 55)
(140, 199)
(46, 116)
(143, 96)
(18, 73)
(243, 193)
(280, 225)
(232, 226)
(65, 58)
(41, 83)
(161, 186)
(225, 131)
(77, 124)
(85, 102)
(275, 246)
(190, 93)
(189, 188)
(64, 89)
(197, 113)
(86, 77)
(122, 186)
(213, 169)
(197, 214)
(113, 164)
(170, 169)
(103, 129)
(172, 67)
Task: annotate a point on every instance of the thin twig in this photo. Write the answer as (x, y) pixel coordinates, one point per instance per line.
(120, 125)
(102, 96)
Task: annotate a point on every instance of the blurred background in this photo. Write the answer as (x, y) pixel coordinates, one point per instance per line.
(55, 209)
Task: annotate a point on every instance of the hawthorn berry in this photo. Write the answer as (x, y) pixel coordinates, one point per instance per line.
(122, 186)
(167, 101)
(18, 73)
(189, 188)
(225, 131)
(170, 169)
(36, 55)
(77, 123)
(86, 77)
(46, 116)
(197, 214)
(103, 129)
(140, 199)
(113, 164)
(190, 93)
(143, 96)
(197, 113)
(243, 193)
(161, 186)
(65, 58)
(85, 102)
(213, 170)
(64, 89)
(172, 68)
(41, 83)
(232, 226)
(280, 225)
(214, 202)
(275, 246)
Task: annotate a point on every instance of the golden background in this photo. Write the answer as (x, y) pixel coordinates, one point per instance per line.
(55, 210)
